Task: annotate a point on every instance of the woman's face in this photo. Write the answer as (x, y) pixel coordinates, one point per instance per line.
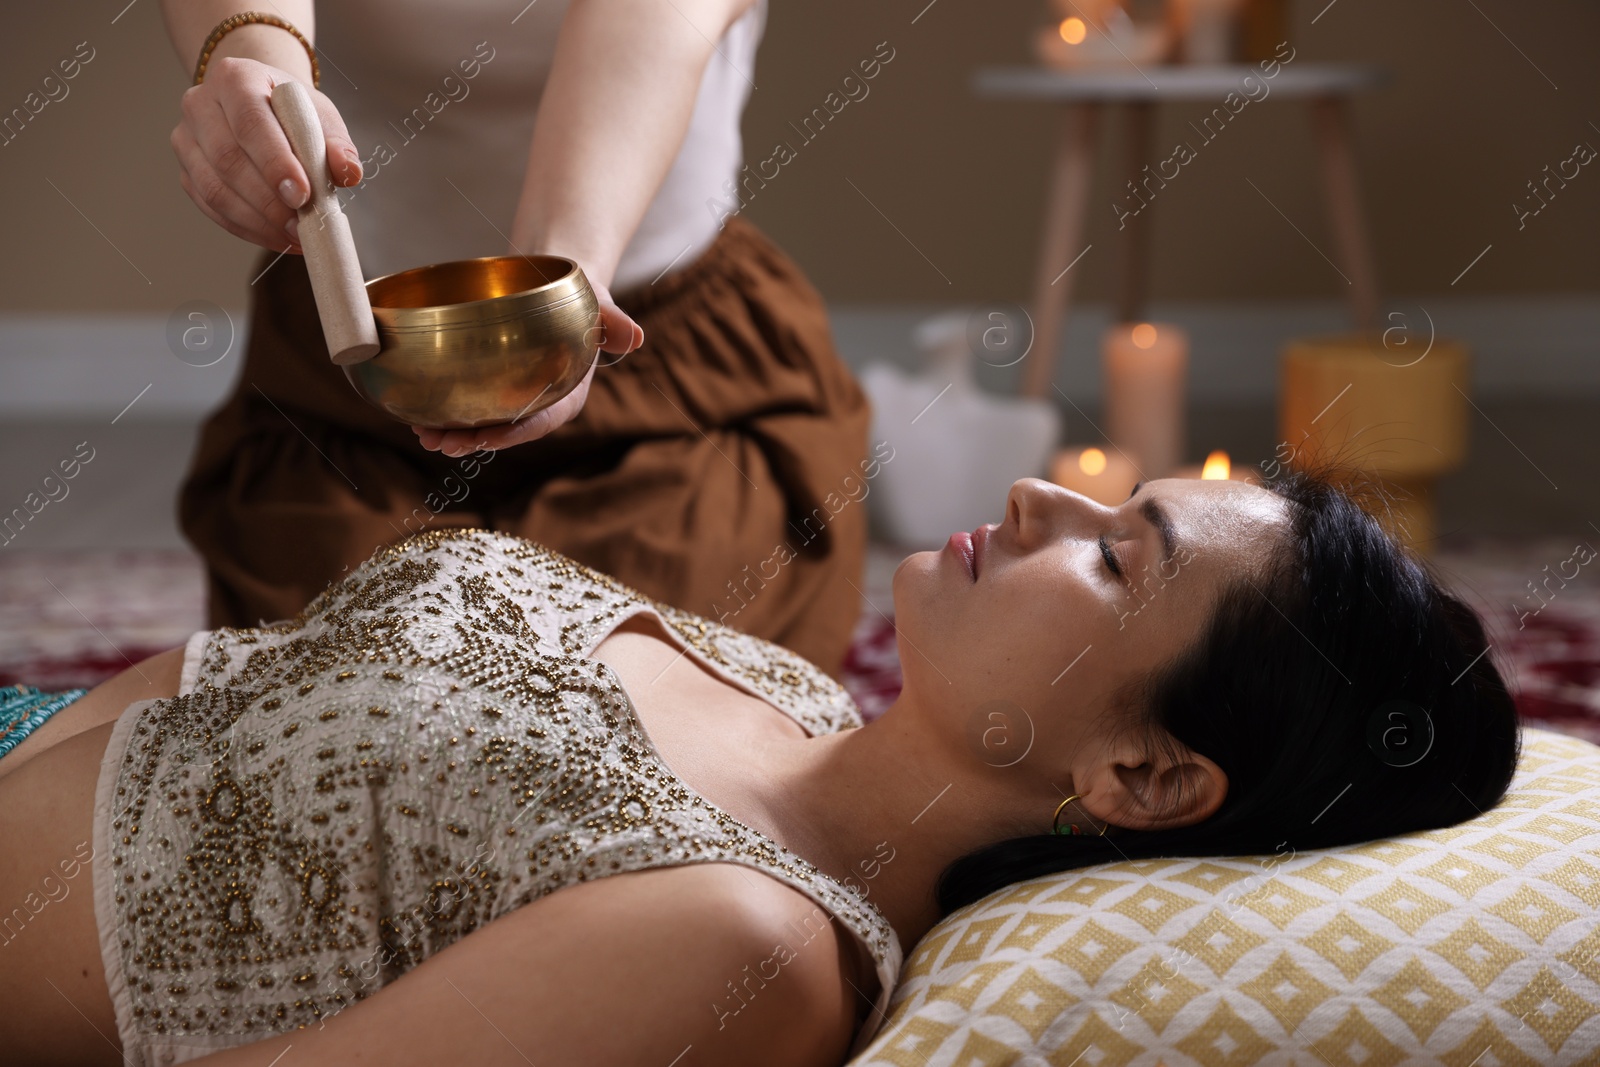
(1069, 599)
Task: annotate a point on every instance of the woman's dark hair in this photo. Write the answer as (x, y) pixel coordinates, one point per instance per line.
(1346, 695)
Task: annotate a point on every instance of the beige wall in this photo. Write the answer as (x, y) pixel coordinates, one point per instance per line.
(1446, 150)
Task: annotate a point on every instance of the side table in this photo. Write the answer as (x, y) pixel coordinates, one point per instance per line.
(1136, 92)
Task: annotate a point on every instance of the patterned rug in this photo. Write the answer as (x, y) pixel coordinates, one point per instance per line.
(76, 618)
(1542, 603)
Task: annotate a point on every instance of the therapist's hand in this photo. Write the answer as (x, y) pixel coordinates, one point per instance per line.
(620, 335)
(236, 162)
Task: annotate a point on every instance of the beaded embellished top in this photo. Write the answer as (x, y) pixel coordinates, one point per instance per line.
(330, 801)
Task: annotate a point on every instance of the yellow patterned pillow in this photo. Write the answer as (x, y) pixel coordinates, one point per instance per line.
(1474, 946)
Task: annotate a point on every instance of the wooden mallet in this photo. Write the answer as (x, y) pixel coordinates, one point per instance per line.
(330, 250)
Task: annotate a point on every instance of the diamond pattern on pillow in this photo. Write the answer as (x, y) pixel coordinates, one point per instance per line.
(1471, 946)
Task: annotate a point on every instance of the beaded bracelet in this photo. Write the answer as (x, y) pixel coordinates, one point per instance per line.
(246, 18)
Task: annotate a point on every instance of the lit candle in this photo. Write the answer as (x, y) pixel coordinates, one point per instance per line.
(1099, 33)
(1101, 474)
(1145, 368)
(1217, 467)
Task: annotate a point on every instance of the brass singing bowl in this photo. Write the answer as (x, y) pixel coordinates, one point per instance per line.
(478, 342)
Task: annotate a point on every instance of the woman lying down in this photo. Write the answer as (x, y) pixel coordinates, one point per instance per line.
(345, 835)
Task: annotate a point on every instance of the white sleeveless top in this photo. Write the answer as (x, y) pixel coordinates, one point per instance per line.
(428, 746)
(441, 98)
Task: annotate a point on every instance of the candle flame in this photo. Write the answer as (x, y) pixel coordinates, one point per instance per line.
(1144, 335)
(1092, 461)
(1217, 467)
(1074, 30)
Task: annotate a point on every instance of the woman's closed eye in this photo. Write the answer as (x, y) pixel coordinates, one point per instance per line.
(1112, 563)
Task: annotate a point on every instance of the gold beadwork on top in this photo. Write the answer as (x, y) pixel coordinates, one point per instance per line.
(275, 861)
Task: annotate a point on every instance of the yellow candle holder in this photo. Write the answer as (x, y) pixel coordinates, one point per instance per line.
(1390, 410)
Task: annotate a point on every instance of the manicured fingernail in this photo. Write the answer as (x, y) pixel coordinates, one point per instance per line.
(291, 193)
(293, 226)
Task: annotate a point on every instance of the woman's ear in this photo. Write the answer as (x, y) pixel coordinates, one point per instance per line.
(1152, 787)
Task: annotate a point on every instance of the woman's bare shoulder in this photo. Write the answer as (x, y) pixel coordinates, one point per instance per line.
(704, 964)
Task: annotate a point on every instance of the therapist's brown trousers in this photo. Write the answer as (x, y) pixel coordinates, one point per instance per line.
(699, 463)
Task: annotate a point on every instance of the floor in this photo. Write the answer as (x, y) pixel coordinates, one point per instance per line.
(123, 497)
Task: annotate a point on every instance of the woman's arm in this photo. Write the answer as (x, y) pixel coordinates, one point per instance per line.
(632, 969)
(621, 91)
(236, 163)
(190, 22)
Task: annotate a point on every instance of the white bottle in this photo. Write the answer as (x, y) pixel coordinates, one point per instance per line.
(957, 449)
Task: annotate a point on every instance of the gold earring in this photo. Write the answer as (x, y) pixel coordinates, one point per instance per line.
(1071, 829)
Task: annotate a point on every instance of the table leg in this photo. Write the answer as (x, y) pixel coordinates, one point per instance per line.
(1331, 122)
(1071, 174)
(1134, 255)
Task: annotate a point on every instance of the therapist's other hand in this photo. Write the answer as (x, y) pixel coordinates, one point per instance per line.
(236, 162)
(621, 335)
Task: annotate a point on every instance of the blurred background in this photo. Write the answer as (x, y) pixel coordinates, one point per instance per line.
(923, 196)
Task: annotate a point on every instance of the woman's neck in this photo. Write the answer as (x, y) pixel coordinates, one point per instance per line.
(885, 809)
